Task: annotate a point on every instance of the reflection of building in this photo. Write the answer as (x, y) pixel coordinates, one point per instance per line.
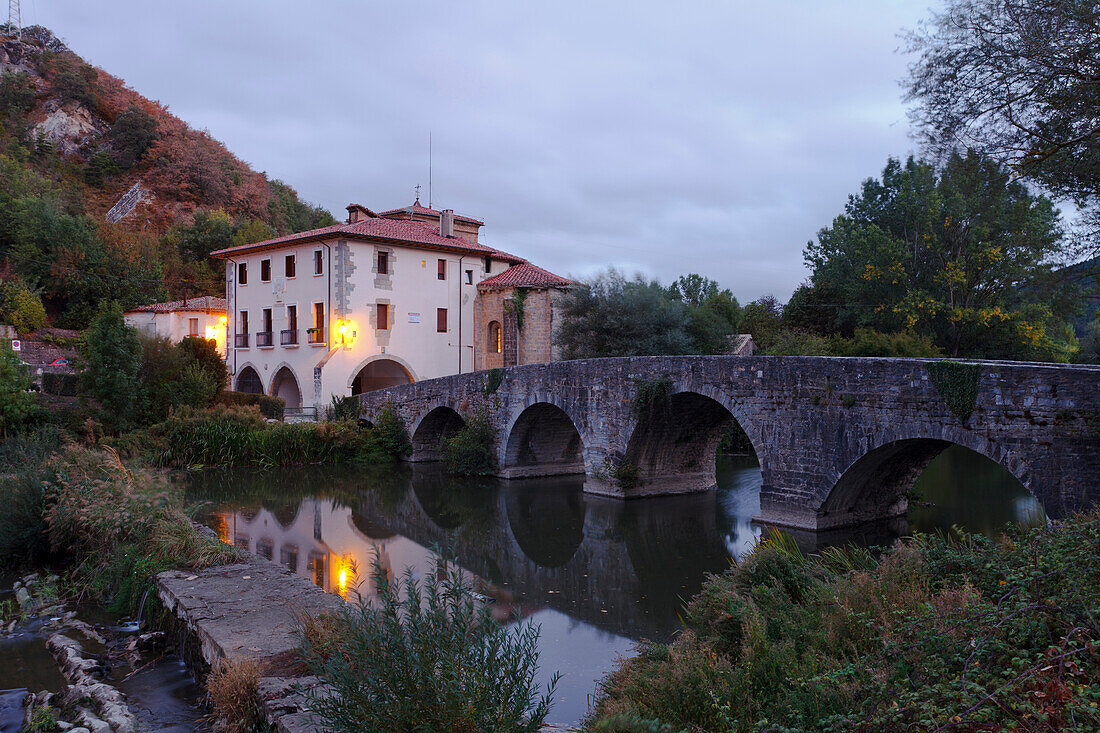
(320, 542)
(204, 317)
(381, 299)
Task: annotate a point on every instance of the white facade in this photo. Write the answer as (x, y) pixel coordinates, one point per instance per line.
(304, 320)
(204, 317)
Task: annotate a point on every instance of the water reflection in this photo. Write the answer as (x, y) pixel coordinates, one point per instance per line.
(597, 573)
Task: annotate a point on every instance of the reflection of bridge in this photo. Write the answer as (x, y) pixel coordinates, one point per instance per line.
(621, 567)
(840, 441)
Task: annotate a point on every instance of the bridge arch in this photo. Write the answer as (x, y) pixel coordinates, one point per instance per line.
(429, 431)
(541, 439)
(675, 448)
(248, 380)
(876, 483)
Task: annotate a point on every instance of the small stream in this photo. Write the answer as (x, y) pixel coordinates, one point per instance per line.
(160, 691)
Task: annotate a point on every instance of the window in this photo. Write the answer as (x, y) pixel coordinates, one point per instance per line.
(442, 270)
(290, 265)
(496, 341)
(317, 333)
(265, 271)
(241, 340)
(469, 277)
(289, 336)
(242, 273)
(193, 326)
(441, 320)
(383, 322)
(488, 265)
(263, 338)
(383, 263)
(318, 262)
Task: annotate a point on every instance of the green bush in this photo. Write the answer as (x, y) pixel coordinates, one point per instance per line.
(789, 342)
(390, 434)
(16, 403)
(23, 538)
(64, 385)
(270, 407)
(469, 450)
(937, 633)
(866, 342)
(21, 307)
(424, 657)
(342, 408)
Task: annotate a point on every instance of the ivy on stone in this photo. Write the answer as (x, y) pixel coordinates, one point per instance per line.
(957, 384)
(652, 398)
(515, 305)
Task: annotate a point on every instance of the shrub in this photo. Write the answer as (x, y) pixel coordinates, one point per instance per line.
(64, 385)
(232, 692)
(789, 342)
(866, 342)
(425, 657)
(195, 387)
(936, 633)
(16, 403)
(22, 307)
(469, 450)
(390, 433)
(342, 408)
(493, 380)
(134, 131)
(205, 352)
(23, 538)
(270, 407)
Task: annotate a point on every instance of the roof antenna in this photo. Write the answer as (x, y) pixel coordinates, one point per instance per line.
(429, 169)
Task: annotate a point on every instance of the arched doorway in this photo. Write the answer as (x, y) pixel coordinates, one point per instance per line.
(249, 381)
(379, 374)
(285, 385)
(543, 442)
(427, 438)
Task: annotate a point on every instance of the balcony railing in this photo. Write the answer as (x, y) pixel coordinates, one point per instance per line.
(263, 338)
(289, 337)
(241, 341)
(316, 335)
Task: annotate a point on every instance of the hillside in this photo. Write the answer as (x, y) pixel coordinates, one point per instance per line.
(106, 195)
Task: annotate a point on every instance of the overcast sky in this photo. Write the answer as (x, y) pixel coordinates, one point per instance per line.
(671, 137)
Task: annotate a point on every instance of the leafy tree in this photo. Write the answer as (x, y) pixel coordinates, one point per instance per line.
(112, 356)
(960, 255)
(289, 214)
(613, 316)
(866, 342)
(814, 308)
(75, 82)
(763, 320)
(134, 132)
(16, 96)
(211, 230)
(250, 232)
(790, 342)
(101, 165)
(205, 353)
(16, 403)
(1016, 81)
(21, 307)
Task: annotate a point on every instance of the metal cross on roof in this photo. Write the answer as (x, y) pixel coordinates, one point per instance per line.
(418, 193)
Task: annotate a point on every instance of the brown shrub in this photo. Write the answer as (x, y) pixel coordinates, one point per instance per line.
(232, 692)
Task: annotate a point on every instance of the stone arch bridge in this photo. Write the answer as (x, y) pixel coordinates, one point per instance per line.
(840, 441)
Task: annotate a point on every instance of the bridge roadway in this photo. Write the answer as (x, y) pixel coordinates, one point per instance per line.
(840, 440)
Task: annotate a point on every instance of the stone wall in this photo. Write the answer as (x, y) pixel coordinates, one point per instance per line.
(531, 343)
(862, 426)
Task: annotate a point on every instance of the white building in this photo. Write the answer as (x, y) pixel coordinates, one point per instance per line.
(204, 317)
(381, 299)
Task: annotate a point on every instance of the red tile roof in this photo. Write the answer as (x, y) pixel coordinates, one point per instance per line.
(202, 303)
(524, 275)
(415, 233)
(417, 208)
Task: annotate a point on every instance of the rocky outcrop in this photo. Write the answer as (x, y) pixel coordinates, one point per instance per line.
(15, 57)
(70, 128)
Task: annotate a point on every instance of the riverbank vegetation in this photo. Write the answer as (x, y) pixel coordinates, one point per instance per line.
(424, 655)
(960, 633)
(112, 528)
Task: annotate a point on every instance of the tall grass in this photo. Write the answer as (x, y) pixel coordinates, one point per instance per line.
(958, 633)
(427, 656)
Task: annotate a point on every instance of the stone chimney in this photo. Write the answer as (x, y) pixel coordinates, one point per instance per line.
(447, 223)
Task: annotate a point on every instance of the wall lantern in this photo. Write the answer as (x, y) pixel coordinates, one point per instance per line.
(345, 333)
(211, 332)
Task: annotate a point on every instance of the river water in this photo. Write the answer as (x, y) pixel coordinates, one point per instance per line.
(596, 574)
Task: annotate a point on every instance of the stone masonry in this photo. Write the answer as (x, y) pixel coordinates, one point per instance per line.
(840, 441)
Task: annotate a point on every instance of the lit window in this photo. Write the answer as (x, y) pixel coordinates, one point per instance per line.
(496, 340)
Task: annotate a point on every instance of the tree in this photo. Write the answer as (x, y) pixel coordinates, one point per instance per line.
(112, 357)
(960, 255)
(134, 132)
(763, 320)
(209, 231)
(612, 316)
(1016, 81)
(21, 307)
(16, 403)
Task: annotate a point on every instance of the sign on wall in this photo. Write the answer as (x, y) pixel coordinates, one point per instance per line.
(414, 318)
(16, 345)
